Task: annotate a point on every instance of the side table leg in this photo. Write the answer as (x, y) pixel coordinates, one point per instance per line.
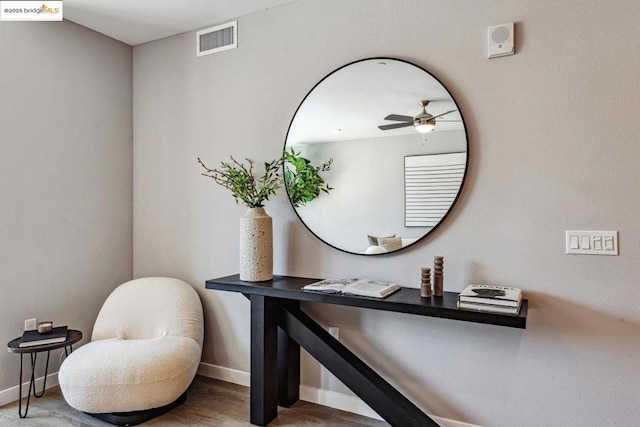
(44, 382)
(31, 385)
(32, 382)
(69, 351)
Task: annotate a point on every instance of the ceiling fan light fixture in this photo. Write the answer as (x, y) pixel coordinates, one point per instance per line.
(423, 122)
(425, 126)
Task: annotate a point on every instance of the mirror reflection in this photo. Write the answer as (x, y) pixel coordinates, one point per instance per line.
(398, 150)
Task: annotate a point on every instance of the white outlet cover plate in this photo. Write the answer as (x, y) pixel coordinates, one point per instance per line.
(592, 242)
(31, 324)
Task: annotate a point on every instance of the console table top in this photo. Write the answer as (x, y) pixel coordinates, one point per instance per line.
(406, 300)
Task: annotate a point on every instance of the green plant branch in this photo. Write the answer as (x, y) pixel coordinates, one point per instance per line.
(240, 180)
(302, 180)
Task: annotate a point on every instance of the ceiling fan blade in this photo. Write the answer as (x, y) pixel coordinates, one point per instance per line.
(440, 115)
(399, 118)
(394, 126)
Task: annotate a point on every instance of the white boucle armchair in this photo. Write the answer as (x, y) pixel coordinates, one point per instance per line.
(144, 352)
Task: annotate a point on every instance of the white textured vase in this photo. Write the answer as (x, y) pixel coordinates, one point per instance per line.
(256, 246)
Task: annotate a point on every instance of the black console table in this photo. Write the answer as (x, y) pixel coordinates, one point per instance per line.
(279, 328)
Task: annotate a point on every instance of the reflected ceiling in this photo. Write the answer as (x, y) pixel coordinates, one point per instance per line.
(344, 111)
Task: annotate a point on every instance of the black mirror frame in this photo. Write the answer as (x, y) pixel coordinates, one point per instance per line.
(464, 177)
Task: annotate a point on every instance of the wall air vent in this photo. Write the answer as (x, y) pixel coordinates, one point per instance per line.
(217, 39)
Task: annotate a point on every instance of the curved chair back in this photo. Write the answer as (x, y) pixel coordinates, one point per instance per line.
(151, 307)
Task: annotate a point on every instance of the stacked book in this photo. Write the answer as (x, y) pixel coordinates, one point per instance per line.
(33, 338)
(491, 299)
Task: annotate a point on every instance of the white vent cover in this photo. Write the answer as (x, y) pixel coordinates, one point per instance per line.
(217, 39)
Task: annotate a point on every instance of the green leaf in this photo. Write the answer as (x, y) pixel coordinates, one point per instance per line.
(302, 179)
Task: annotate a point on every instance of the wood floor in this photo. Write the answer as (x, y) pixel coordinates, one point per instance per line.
(209, 403)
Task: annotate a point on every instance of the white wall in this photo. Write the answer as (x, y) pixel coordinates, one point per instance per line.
(553, 146)
(66, 215)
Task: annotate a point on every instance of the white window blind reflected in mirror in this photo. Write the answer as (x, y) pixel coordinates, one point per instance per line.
(431, 185)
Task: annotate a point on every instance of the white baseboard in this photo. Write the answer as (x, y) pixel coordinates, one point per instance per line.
(224, 374)
(11, 394)
(332, 399)
(446, 422)
(353, 404)
(335, 400)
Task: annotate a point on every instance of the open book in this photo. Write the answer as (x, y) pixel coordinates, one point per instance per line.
(361, 287)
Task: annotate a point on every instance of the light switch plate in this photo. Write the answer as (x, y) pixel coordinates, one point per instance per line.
(592, 242)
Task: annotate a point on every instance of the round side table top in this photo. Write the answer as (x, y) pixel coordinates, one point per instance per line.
(73, 336)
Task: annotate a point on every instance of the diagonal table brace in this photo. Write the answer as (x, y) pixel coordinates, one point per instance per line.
(381, 396)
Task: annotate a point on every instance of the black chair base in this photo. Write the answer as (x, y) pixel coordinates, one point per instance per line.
(137, 417)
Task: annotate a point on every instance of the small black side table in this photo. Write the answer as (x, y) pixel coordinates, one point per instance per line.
(73, 336)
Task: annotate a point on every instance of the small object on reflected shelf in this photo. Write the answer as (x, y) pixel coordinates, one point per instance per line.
(45, 327)
(425, 283)
(438, 279)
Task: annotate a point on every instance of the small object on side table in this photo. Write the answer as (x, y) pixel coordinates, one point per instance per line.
(72, 337)
(438, 280)
(425, 283)
(35, 338)
(45, 327)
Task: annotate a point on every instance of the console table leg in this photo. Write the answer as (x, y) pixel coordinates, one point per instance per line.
(264, 360)
(288, 370)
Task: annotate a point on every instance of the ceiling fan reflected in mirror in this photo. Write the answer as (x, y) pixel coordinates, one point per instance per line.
(423, 122)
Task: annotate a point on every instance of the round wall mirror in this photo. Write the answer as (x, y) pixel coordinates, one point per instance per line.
(395, 145)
